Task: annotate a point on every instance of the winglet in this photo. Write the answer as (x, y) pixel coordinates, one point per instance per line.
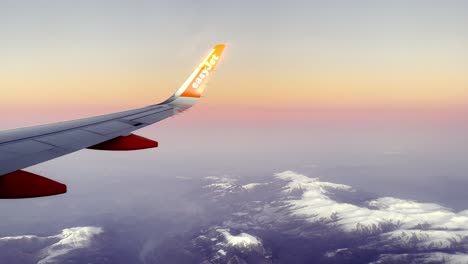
(195, 84)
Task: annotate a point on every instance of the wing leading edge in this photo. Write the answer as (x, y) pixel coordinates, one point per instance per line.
(24, 147)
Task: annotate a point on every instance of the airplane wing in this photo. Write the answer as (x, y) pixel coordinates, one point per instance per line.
(24, 147)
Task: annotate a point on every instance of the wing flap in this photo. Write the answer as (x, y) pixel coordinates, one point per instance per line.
(25, 147)
(70, 138)
(22, 161)
(108, 127)
(156, 110)
(5, 155)
(150, 119)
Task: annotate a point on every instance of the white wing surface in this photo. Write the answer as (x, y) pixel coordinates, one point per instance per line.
(24, 147)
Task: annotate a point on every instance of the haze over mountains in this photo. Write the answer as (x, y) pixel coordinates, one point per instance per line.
(287, 217)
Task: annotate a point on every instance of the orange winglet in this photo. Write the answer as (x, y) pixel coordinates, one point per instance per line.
(124, 143)
(23, 184)
(198, 79)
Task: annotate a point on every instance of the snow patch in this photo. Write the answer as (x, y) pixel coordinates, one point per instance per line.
(27, 237)
(331, 254)
(429, 258)
(298, 181)
(457, 258)
(243, 240)
(252, 186)
(427, 239)
(221, 184)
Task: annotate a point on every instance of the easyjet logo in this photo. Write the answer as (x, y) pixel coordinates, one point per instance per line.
(207, 67)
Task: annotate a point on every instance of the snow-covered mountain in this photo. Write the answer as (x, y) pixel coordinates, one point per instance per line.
(287, 217)
(46, 249)
(221, 245)
(69, 239)
(307, 208)
(242, 240)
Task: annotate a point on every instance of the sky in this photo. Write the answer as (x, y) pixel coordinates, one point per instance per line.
(326, 87)
(282, 55)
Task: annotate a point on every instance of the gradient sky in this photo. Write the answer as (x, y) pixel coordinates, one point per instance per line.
(86, 57)
(369, 93)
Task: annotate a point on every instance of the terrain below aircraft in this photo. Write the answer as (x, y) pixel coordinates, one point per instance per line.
(24, 147)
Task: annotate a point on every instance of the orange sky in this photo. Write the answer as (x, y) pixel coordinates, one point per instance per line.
(341, 58)
(237, 84)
